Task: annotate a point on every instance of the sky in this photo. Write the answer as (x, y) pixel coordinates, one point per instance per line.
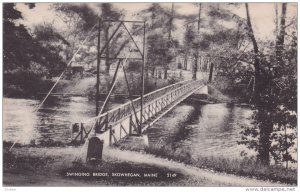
(262, 14)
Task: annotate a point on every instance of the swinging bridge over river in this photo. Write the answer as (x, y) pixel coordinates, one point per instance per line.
(124, 120)
(135, 116)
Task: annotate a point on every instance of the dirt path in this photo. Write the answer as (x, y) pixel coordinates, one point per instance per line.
(210, 177)
(63, 158)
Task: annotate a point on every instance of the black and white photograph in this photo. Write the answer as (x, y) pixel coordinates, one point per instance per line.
(150, 94)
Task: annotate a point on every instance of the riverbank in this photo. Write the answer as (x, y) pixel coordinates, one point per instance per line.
(83, 85)
(247, 167)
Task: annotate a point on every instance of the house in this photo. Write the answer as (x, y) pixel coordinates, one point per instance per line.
(75, 69)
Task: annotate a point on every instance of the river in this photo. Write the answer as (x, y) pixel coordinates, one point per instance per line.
(211, 129)
(203, 130)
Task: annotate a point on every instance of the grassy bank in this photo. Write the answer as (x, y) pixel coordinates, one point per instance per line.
(43, 143)
(28, 90)
(248, 167)
(56, 166)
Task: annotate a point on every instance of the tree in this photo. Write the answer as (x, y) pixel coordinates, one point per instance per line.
(23, 50)
(241, 56)
(189, 38)
(256, 57)
(26, 58)
(264, 124)
(217, 43)
(196, 55)
(161, 24)
(53, 48)
(79, 18)
(275, 97)
(280, 37)
(18, 45)
(109, 13)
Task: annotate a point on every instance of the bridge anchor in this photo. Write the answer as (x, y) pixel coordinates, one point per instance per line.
(95, 149)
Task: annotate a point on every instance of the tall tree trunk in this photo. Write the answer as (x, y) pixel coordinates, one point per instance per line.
(197, 49)
(200, 63)
(194, 69)
(276, 19)
(153, 71)
(280, 37)
(265, 126)
(199, 15)
(167, 63)
(279, 53)
(165, 73)
(147, 73)
(238, 37)
(171, 22)
(256, 57)
(107, 60)
(185, 61)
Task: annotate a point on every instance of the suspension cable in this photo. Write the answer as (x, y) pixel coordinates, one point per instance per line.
(105, 101)
(114, 83)
(69, 63)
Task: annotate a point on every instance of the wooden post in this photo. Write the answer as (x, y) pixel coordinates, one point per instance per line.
(106, 121)
(110, 135)
(130, 124)
(211, 72)
(81, 133)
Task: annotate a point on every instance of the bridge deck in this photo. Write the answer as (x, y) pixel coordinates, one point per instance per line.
(121, 121)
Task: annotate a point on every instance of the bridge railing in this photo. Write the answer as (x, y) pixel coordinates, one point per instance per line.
(112, 116)
(168, 100)
(126, 109)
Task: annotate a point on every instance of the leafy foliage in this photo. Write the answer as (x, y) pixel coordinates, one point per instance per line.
(25, 58)
(161, 48)
(274, 129)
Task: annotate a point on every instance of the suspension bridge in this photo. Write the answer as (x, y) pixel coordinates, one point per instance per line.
(122, 121)
(134, 117)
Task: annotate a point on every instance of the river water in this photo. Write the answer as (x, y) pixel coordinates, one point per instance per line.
(202, 130)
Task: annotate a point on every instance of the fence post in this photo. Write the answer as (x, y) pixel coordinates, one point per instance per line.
(106, 121)
(130, 124)
(111, 132)
(81, 133)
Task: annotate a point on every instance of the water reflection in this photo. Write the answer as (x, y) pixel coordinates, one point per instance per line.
(14, 112)
(208, 130)
(52, 121)
(203, 130)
